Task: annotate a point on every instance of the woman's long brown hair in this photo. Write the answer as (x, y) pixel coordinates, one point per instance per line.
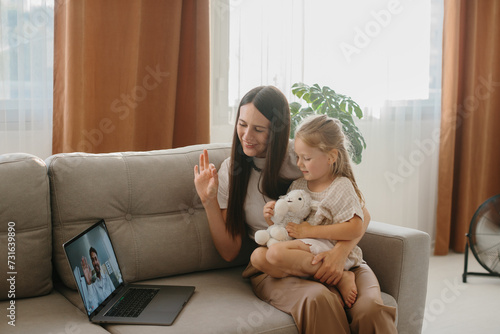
(274, 106)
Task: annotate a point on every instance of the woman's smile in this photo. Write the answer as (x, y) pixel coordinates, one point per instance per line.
(253, 131)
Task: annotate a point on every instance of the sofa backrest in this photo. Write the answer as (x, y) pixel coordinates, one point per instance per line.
(157, 224)
(25, 227)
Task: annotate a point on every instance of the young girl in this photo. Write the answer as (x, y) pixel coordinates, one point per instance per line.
(323, 158)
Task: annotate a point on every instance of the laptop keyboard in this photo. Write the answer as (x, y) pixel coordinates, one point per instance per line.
(132, 303)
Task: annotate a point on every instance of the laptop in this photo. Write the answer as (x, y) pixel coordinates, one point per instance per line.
(105, 295)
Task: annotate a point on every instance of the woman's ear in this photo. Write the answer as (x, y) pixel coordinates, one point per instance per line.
(333, 155)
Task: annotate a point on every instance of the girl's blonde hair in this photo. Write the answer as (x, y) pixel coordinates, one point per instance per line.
(325, 133)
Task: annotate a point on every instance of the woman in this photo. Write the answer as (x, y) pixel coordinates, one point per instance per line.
(261, 167)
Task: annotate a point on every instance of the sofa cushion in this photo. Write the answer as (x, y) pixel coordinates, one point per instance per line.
(157, 224)
(222, 303)
(25, 227)
(48, 314)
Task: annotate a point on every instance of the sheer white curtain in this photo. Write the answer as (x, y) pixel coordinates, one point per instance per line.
(385, 54)
(26, 67)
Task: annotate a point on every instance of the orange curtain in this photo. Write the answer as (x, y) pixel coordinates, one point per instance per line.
(469, 162)
(130, 75)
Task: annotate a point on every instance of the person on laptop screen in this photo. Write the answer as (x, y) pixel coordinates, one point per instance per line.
(102, 287)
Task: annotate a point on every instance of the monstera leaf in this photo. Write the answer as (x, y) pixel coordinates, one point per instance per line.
(324, 100)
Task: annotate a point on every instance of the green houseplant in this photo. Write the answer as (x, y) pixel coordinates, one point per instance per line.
(324, 100)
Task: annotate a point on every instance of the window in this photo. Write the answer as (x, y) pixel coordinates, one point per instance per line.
(385, 54)
(26, 62)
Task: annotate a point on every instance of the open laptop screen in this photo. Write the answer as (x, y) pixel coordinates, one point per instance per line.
(94, 265)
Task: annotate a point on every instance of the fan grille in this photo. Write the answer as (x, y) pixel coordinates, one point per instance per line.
(484, 234)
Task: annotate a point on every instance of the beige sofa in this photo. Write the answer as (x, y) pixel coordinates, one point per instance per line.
(159, 230)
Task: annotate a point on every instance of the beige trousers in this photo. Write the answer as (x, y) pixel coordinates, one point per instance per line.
(318, 309)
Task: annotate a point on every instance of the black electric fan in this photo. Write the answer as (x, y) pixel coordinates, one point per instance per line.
(484, 238)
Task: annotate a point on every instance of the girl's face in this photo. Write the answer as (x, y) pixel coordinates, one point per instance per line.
(314, 164)
(253, 131)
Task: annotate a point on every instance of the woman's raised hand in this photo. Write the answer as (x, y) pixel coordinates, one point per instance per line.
(206, 179)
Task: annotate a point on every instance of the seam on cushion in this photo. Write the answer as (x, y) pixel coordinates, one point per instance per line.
(198, 235)
(129, 183)
(131, 225)
(48, 202)
(171, 151)
(22, 159)
(191, 220)
(113, 218)
(53, 191)
(33, 229)
(401, 266)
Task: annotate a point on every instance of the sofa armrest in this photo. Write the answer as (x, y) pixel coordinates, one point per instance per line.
(399, 256)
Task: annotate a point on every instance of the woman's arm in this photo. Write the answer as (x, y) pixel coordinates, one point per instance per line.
(227, 246)
(207, 184)
(333, 261)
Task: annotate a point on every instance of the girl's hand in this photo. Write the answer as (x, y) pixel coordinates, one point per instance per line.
(298, 231)
(269, 212)
(206, 179)
(332, 267)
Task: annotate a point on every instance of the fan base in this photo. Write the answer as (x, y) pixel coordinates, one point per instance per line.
(464, 275)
